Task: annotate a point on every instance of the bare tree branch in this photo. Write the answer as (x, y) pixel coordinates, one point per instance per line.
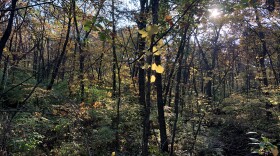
(29, 6)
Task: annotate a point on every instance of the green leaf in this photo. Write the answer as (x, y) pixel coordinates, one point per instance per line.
(102, 36)
(94, 28)
(98, 25)
(93, 20)
(262, 144)
(87, 26)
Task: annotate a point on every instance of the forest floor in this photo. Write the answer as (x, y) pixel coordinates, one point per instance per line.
(241, 117)
(54, 124)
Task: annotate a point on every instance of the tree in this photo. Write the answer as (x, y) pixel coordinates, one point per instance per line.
(62, 54)
(9, 28)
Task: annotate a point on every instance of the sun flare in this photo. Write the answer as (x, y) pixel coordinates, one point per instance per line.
(214, 13)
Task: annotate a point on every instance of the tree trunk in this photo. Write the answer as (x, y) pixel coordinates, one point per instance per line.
(8, 30)
(177, 89)
(264, 51)
(141, 80)
(114, 75)
(147, 111)
(4, 76)
(158, 83)
(61, 56)
(116, 68)
(81, 56)
(141, 47)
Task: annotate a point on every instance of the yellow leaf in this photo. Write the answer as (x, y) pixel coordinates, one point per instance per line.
(152, 29)
(55, 112)
(193, 69)
(6, 51)
(160, 43)
(154, 66)
(113, 153)
(157, 53)
(146, 66)
(207, 78)
(143, 33)
(153, 78)
(159, 69)
(154, 49)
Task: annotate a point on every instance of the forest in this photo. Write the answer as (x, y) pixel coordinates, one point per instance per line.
(139, 77)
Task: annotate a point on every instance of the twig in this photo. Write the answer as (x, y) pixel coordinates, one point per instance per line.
(29, 6)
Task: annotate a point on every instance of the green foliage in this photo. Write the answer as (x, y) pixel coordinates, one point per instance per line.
(96, 94)
(226, 54)
(103, 136)
(69, 149)
(62, 125)
(29, 142)
(154, 150)
(130, 128)
(15, 90)
(87, 26)
(61, 90)
(29, 134)
(265, 147)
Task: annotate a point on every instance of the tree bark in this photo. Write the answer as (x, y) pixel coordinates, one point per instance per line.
(114, 75)
(141, 22)
(264, 51)
(177, 89)
(61, 56)
(8, 30)
(116, 68)
(141, 47)
(158, 83)
(81, 56)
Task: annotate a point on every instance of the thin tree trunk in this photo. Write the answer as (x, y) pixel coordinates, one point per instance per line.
(114, 76)
(81, 45)
(147, 108)
(264, 51)
(177, 88)
(141, 47)
(158, 83)
(8, 30)
(99, 77)
(116, 67)
(176, 105)
(141, 80)
(81, 55)
(61, 56)
(4, 76)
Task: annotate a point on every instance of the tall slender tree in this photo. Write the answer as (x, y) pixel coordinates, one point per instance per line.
(158, 83)
(9, 28)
